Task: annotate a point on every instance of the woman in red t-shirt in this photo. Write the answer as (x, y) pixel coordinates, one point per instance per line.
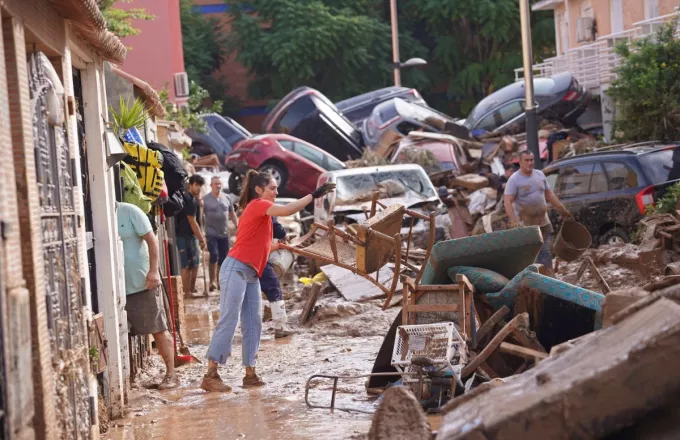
(239, 275)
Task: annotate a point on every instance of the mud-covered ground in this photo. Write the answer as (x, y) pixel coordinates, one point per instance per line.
(344, 339)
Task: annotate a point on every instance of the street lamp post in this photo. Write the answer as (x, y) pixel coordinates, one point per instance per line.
(396, 64)
(395, 43)
(530, 107)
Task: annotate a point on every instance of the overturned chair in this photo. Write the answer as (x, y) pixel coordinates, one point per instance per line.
(364, 248)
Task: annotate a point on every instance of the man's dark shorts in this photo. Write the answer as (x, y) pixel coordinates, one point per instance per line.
(269, 283)
(188, 251)
(146, 312)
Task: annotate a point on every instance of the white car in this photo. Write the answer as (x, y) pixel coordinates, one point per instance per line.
(354, 187)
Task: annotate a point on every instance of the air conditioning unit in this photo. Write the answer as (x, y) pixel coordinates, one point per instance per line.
(585, 29)
(181, 85)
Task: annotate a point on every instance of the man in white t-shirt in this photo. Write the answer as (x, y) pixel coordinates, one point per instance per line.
(526, 199)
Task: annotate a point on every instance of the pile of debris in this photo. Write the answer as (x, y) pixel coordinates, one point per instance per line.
(522, 354)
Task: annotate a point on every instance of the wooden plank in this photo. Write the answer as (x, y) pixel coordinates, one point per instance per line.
(356, 288)
(313, 292)
(491, 323)
(518, 350)
(433, 308)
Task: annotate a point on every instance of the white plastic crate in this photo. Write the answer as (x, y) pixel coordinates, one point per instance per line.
(439, 342)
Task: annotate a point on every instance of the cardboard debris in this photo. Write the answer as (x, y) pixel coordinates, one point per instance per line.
(472, 182)
(356, 288)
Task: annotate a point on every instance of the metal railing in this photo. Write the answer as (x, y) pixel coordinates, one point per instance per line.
(594, 64)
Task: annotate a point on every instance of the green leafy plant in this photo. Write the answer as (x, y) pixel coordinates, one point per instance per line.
(119, 21)
(647, 89)
(189, 115)
(128, 115)
(667, 203)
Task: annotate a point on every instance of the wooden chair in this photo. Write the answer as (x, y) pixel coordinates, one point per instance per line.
(463, 290)
(366, 247)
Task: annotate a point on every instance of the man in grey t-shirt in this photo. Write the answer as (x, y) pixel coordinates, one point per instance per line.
(526, 199)
(218, 210)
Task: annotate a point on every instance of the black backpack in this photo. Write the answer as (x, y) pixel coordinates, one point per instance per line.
(176, 178)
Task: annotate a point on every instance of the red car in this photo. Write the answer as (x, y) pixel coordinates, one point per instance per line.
(294, 163)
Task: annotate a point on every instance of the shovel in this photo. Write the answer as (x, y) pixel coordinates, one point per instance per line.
(184, 357)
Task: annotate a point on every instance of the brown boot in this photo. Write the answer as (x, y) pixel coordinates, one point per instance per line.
(212, 382)
(251, 379)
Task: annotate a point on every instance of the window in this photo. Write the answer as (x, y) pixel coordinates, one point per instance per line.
(620, 176)
(295, 113)
(552, 179)
(662, 165)
(651, 9)
(575, 180)
(501, 116)
(224, 130)
(333, 164)
(309, 153)
(288, 145)
(598, 183)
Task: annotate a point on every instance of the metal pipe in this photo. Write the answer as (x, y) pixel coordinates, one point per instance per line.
(395, 42)
(527, 57)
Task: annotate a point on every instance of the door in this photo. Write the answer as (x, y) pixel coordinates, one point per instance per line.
(616, 15)
(63, 284)
(582, 188)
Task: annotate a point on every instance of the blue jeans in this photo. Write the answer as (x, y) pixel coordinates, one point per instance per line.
(218, 248)
(239, 296)
(188, 251)
(544, 256)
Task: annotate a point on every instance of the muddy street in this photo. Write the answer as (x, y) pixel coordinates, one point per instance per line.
(337, 344)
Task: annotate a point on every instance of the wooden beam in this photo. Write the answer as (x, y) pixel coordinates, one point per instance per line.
(523, 352)
(491, 323)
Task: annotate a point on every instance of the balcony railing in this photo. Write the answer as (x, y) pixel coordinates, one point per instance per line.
(593, 65)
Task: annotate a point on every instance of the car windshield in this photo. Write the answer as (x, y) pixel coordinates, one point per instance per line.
(359, 187)
(662, 166)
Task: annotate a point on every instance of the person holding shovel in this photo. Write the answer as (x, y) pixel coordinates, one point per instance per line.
(240, 294)
(144, 301)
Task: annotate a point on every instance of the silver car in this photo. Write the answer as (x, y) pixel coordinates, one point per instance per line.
(401, 117)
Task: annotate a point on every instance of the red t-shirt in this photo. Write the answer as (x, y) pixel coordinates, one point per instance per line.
(254, 236)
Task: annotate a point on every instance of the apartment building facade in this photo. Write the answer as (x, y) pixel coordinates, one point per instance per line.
(586, 34)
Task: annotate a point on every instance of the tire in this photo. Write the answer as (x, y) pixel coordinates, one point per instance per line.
(615, 236)
(277, 171)
(235, 183)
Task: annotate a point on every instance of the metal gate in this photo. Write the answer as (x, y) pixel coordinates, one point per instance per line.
(59, 222)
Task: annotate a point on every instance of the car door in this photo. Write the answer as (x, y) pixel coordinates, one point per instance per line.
(624, 184)
(306, 167)
(582, 189)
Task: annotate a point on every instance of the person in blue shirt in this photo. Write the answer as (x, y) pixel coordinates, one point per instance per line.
(144, 301)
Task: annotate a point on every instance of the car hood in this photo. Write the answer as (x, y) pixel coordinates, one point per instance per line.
(408, 202)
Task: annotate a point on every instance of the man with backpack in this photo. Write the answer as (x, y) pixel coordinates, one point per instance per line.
(188, 234)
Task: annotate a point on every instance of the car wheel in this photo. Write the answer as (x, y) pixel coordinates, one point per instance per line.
(235, 183)
(615, 236)
(277, 172)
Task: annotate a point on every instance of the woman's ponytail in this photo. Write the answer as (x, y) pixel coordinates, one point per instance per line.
(252, 179)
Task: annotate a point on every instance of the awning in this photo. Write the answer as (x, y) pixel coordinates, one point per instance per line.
(88, 21)
(151, 98)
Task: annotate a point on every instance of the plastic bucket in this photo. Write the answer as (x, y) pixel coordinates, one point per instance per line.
(572, 241)
(282, 260)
